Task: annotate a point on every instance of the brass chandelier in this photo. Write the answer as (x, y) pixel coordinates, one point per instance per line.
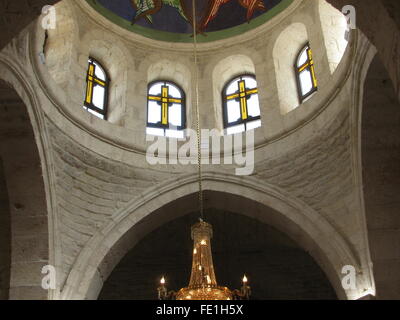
(203, 284)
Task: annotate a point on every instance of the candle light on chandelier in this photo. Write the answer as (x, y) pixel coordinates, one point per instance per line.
(162, 290)
(245, 292)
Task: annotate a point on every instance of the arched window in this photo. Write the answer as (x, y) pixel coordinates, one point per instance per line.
(305, 72)
(96, 90)
(166, 109)
(241, 106)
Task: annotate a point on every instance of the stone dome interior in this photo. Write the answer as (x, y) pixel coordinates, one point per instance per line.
(225, 17)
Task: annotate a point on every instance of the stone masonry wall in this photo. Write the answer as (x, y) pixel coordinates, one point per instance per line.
(96, 170)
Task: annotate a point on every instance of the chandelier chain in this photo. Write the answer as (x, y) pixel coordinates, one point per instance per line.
(198, 128)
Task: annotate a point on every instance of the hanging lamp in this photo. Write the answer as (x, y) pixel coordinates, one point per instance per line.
(203, 283)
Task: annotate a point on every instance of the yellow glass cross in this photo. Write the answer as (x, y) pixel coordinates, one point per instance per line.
(165, 101)
(243, 96)
(91, 79)
(310, 64)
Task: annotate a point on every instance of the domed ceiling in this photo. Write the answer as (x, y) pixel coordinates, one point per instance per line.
(171, 20)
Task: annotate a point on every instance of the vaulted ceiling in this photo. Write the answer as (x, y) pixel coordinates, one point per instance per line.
(174, 16)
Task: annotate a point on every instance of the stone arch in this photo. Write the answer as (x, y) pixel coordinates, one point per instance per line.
(286, 48)
(28, 204)
(291, 216)
(334, 26)
(380, 153)
(226, 69)
(170, 70)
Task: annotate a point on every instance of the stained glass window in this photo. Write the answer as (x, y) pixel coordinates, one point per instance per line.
(97, 83)
(241, 107)
(305, 71)
(166, 110)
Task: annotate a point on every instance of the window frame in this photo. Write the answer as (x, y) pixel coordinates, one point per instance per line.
(167, 126)
(225, 100)
(90, 105)
(308, 65)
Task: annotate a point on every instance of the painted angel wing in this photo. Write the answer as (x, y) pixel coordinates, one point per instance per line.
(179, 5)
(212, 12)
(252, 6)
(145, 8)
